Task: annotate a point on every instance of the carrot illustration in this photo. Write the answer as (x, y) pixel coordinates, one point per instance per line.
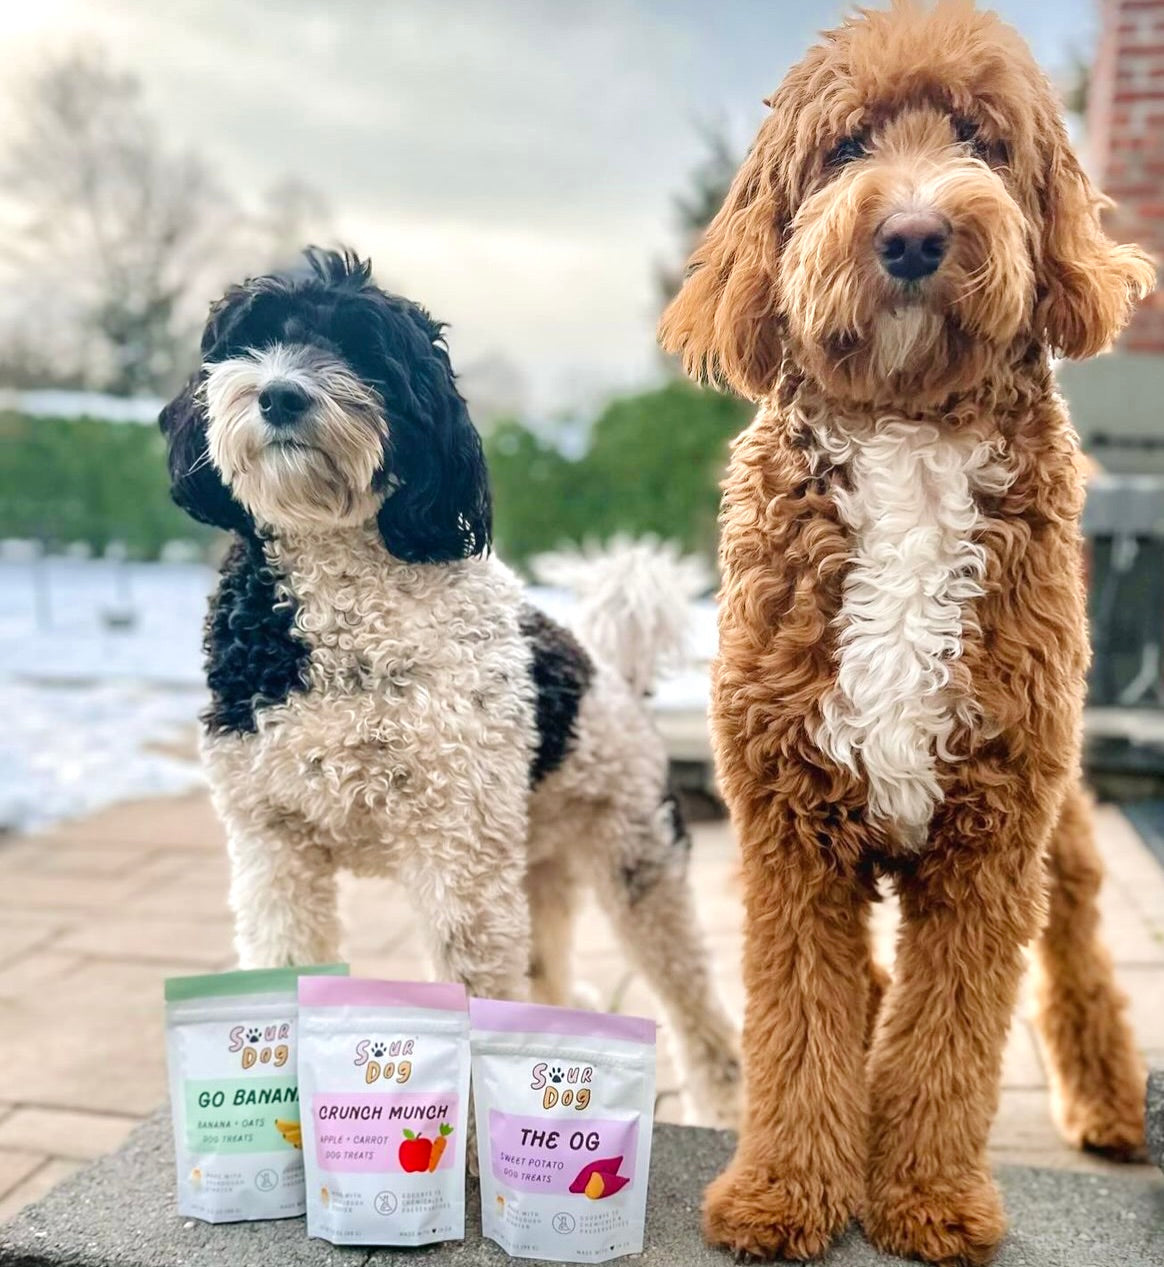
(439, 1145)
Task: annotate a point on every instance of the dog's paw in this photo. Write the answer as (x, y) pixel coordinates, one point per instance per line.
(953, 1223)
(587, 996)
(713, 1093)
(1110, 1133)
(756, 1212)
(1112, 1125)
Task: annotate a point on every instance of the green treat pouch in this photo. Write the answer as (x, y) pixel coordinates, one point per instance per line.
(234, 1092)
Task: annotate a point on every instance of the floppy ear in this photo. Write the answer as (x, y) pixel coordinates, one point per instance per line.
(724, 324)
(195, 485)
(1088, 284)
(438, 507)
(227, 312)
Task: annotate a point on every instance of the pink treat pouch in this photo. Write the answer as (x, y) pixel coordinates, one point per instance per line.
(384, 1094)
(565, 1105)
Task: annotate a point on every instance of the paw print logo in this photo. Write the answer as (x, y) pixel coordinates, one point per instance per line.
(377, 1050)
(555, 1074)
(253, 1035)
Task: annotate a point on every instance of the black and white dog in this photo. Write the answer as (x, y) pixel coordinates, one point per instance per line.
(382, 697)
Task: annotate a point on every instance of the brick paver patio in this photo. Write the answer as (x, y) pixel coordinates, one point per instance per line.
(95, 913)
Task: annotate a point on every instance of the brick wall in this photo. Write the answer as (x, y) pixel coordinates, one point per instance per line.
(1126, 139)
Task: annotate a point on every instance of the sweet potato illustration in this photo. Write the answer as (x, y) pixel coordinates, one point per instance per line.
(599, 1179)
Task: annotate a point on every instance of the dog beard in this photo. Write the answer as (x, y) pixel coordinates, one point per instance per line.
(319, 472)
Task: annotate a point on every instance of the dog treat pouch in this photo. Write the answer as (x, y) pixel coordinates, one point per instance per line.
(565, 1105)
(234, 1093)
(384, 1079)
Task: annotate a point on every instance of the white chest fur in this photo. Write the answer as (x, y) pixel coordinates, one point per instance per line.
(916, 568)
(364, 613)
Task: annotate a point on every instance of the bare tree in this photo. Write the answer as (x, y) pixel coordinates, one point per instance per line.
(108, 216)
(114, 242)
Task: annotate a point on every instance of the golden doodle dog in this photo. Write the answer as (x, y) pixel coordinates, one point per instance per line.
(902, 633)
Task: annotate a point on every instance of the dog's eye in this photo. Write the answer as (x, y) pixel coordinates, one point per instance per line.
(966, 133)
(847, 151)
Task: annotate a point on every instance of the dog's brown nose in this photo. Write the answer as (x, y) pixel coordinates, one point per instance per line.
(911, 244)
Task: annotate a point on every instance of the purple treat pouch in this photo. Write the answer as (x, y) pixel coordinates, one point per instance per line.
(384, 1099)
(565, 1105)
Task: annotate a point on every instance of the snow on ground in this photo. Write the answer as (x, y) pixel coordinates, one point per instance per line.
(66, 750)
(66, 404)
(85, 699)
(101, 660)
(59, 620)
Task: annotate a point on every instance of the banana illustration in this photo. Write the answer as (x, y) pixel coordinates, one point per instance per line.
(292, 1132)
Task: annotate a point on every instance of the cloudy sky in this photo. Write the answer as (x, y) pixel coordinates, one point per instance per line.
(511, 163)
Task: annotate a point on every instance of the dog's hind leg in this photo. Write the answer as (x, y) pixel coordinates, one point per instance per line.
(1097, 1076)
(643, 885)
(551, 889)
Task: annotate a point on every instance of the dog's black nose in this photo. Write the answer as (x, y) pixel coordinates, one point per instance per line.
(911, 244)
(282, 403)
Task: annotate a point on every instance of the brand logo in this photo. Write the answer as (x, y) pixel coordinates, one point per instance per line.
(569, 1086)
(385, 1061)
(261, 1045)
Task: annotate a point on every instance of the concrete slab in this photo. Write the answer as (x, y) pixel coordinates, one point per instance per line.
(1155, 1115)
(119, 1213)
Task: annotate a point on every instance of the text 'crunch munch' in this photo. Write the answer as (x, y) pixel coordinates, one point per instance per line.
(384, 1079)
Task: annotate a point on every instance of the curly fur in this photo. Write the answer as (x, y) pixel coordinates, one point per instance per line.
(253, 656)
(899, 684)
(383, 699)
(562, 673)
(915, 568)
(633, 601)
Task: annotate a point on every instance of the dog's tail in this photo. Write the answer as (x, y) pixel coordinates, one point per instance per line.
(633, 602)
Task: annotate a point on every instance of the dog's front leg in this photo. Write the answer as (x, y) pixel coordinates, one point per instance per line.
(469, 892)
(969, 904)
(283, 895)
(797, 1175)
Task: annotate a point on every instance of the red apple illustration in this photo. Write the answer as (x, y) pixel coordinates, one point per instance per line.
(415, 1153)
